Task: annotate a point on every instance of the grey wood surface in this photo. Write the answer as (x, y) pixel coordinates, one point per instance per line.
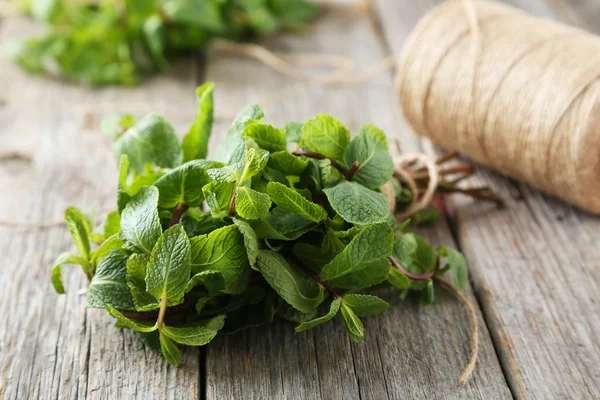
(533, 265)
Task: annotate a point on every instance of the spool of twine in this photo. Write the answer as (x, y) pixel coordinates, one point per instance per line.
(513, 92)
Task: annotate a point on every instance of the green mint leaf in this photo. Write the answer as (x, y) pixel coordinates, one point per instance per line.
(64, 258)
(311, 256)
(398, 279)
(427, 294)
(293, 285)
(282, 224)
(169, 268)
(113, 242)
(205, 15)
(152, 140)
(109, 285)
(170, 350)
(333, 310)
(195, 142)
(293, 131)
(137, 265)
(140, 225)
(326, 135)
(197, 335)
(370, 149)
(358, 204)
(250, 204)
(250, 240)
(370, 274)
(266, 136)
(287, 163)
(364, 305)
(414, 254)
(223, 250)
(112, 224)
(126, 322)
(213, 281)
(295, 202)
(77, 225)
(217, 195)
(458, 265)
(256, 160)
(233, 148)
(153, 36)
(183, 185)
(353, 324)
(372, 243)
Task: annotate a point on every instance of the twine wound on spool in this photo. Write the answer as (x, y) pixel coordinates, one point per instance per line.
(513, 92)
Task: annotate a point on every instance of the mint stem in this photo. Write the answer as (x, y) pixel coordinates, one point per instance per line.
(347, 174)
(427, 275)
(179, 210)
(317, 278)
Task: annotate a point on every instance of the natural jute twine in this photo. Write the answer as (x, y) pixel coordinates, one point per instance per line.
(513, 92)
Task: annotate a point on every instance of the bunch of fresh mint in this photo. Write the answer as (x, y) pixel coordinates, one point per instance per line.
(198, 248)
(111, 42)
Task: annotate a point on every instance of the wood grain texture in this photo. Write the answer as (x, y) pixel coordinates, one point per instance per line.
(533, 264)
(52, 155)
(408, 351)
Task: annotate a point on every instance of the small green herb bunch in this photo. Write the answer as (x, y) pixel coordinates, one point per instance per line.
(198, 248)
(112, 41)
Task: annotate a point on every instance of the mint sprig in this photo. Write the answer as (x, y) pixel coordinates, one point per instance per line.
(104, 42)
(203, 247)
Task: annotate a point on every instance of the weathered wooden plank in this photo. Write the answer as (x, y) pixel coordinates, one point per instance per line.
(534, 264)
(408, 352)
(52, 155)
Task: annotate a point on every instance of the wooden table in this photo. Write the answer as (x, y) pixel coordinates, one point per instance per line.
(534, 265)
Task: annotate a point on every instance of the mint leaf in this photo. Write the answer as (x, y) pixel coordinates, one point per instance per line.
(113, 242)
(250, 240)
(140, 225)
(77, 225)
(333, 310)
(183, 185)
(370, 274)
(364, 305)
(135, 325)
(222, 250)
(282, 224)
(170, 350)
(287, 163)
(427, 294)
(256, 160)
(233, 148)
(168, 270)
(372, 243)
(458, 265)
(152, 140)
(64, 258)
(112, 224)
(295, 202)
(414, 254)
(217, 195)
(197, 335)
(295, 287)
(109, 286)
(369, 148)
(293, 131)
(326, 135)
(266, 136)
(353, 324)
(213, 281)
(358, 204)
(136, 280)
(195, 142)
(398, 279)
(250, 204)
